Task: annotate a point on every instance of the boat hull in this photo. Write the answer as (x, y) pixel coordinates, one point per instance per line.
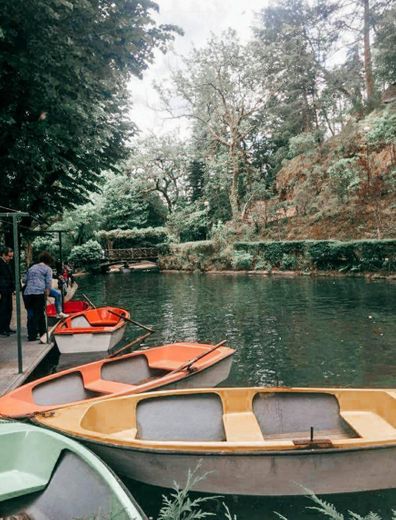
(264, 474)
(89, 342)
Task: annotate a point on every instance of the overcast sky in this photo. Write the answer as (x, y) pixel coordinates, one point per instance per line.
(197, 18)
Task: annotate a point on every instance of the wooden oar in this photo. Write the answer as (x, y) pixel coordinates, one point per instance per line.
(45, 338)
(134, 342)
(88, 300)
(132, 321)
(187, 365)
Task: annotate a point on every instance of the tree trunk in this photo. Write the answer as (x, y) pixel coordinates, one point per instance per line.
(368, 66)
(234, 197)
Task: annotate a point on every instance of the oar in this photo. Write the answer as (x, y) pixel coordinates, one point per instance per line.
(130, 344)
(132, 321)
(187, 365)
(45, 338)
(88, 300)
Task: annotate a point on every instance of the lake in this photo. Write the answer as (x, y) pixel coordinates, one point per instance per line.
(300, 331)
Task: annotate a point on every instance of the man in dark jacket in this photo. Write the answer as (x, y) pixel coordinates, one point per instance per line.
(7, 287)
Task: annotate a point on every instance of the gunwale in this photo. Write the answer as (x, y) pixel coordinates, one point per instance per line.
(65, 327)
(75, 421)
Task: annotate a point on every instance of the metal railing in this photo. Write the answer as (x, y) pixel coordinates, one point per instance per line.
(135, 253)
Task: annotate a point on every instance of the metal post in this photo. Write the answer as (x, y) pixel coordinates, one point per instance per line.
(17, 291)
(61, 264)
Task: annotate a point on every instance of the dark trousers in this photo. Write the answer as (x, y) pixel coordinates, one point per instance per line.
(5, 310)
(35, 306)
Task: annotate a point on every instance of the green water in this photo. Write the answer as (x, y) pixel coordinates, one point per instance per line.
(289, 331)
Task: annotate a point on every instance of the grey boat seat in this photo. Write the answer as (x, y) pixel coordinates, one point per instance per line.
(293, 414)
(61, 390)
(181, 418)
(133, 370)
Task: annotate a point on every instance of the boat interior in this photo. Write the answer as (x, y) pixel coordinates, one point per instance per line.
(111, 377)
(120, 374)
(35, 481)
(300, 417)
(93, 318)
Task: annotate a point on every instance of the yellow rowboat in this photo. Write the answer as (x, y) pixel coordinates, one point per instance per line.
(252, 441)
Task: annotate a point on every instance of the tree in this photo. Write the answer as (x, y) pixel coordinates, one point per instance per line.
(221, 88)
(64, 65)
(128, 203)
(161, 165)
(385, 46)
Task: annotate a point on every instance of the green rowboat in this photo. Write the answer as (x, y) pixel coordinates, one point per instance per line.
(44, 475)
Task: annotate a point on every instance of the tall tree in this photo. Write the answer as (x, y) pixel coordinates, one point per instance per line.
(161, 163)
(64, 65)
(221, 90)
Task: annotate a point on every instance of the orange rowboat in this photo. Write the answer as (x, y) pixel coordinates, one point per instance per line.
(92, 330)
(177, 365)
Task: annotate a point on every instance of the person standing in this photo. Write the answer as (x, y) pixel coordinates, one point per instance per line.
(37, 287)
(7, 287)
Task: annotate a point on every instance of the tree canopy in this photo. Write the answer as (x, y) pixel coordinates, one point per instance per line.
(64, 105)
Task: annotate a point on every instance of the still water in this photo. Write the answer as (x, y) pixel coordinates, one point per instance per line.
(288, 331)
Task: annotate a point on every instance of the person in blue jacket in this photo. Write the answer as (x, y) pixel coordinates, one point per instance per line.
(38, 285)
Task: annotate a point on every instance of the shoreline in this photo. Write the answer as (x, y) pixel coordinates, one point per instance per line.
(274, 272)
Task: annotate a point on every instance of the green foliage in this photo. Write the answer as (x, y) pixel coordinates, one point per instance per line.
(189, 223)
(303, 143)
(328, 510)
(64, 69)
(87, 255)
(196, 179)
(242, 261)
(179, 506)
(46, 243)
(128, 204)
(344, 177)
(124, 238)
(385, 45)
(383, 130)
(358, 255)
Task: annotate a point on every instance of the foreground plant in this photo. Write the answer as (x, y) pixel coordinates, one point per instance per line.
(328, 510)
(179, 506)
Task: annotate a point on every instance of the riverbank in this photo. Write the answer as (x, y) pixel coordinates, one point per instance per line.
(292, 274)
(367, 258)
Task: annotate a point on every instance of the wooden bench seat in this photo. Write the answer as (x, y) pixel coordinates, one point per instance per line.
(107, 387)
(242, 427)
(166, 364)
(369, 425)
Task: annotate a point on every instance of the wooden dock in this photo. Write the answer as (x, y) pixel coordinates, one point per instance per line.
(33, 352)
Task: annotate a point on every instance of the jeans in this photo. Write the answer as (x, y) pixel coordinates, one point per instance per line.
(57, 296)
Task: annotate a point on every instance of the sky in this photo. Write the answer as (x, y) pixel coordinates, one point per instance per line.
(198, 19)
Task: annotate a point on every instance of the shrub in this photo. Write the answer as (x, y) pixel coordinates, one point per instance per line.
(242, 261)
(304, 143)
(88, 255)
(383, 130)
(344, 177)
(189, 224)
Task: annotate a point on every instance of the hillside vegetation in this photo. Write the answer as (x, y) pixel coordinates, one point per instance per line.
(344, 188)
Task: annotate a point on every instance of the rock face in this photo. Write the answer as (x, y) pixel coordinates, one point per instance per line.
(345, 189)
